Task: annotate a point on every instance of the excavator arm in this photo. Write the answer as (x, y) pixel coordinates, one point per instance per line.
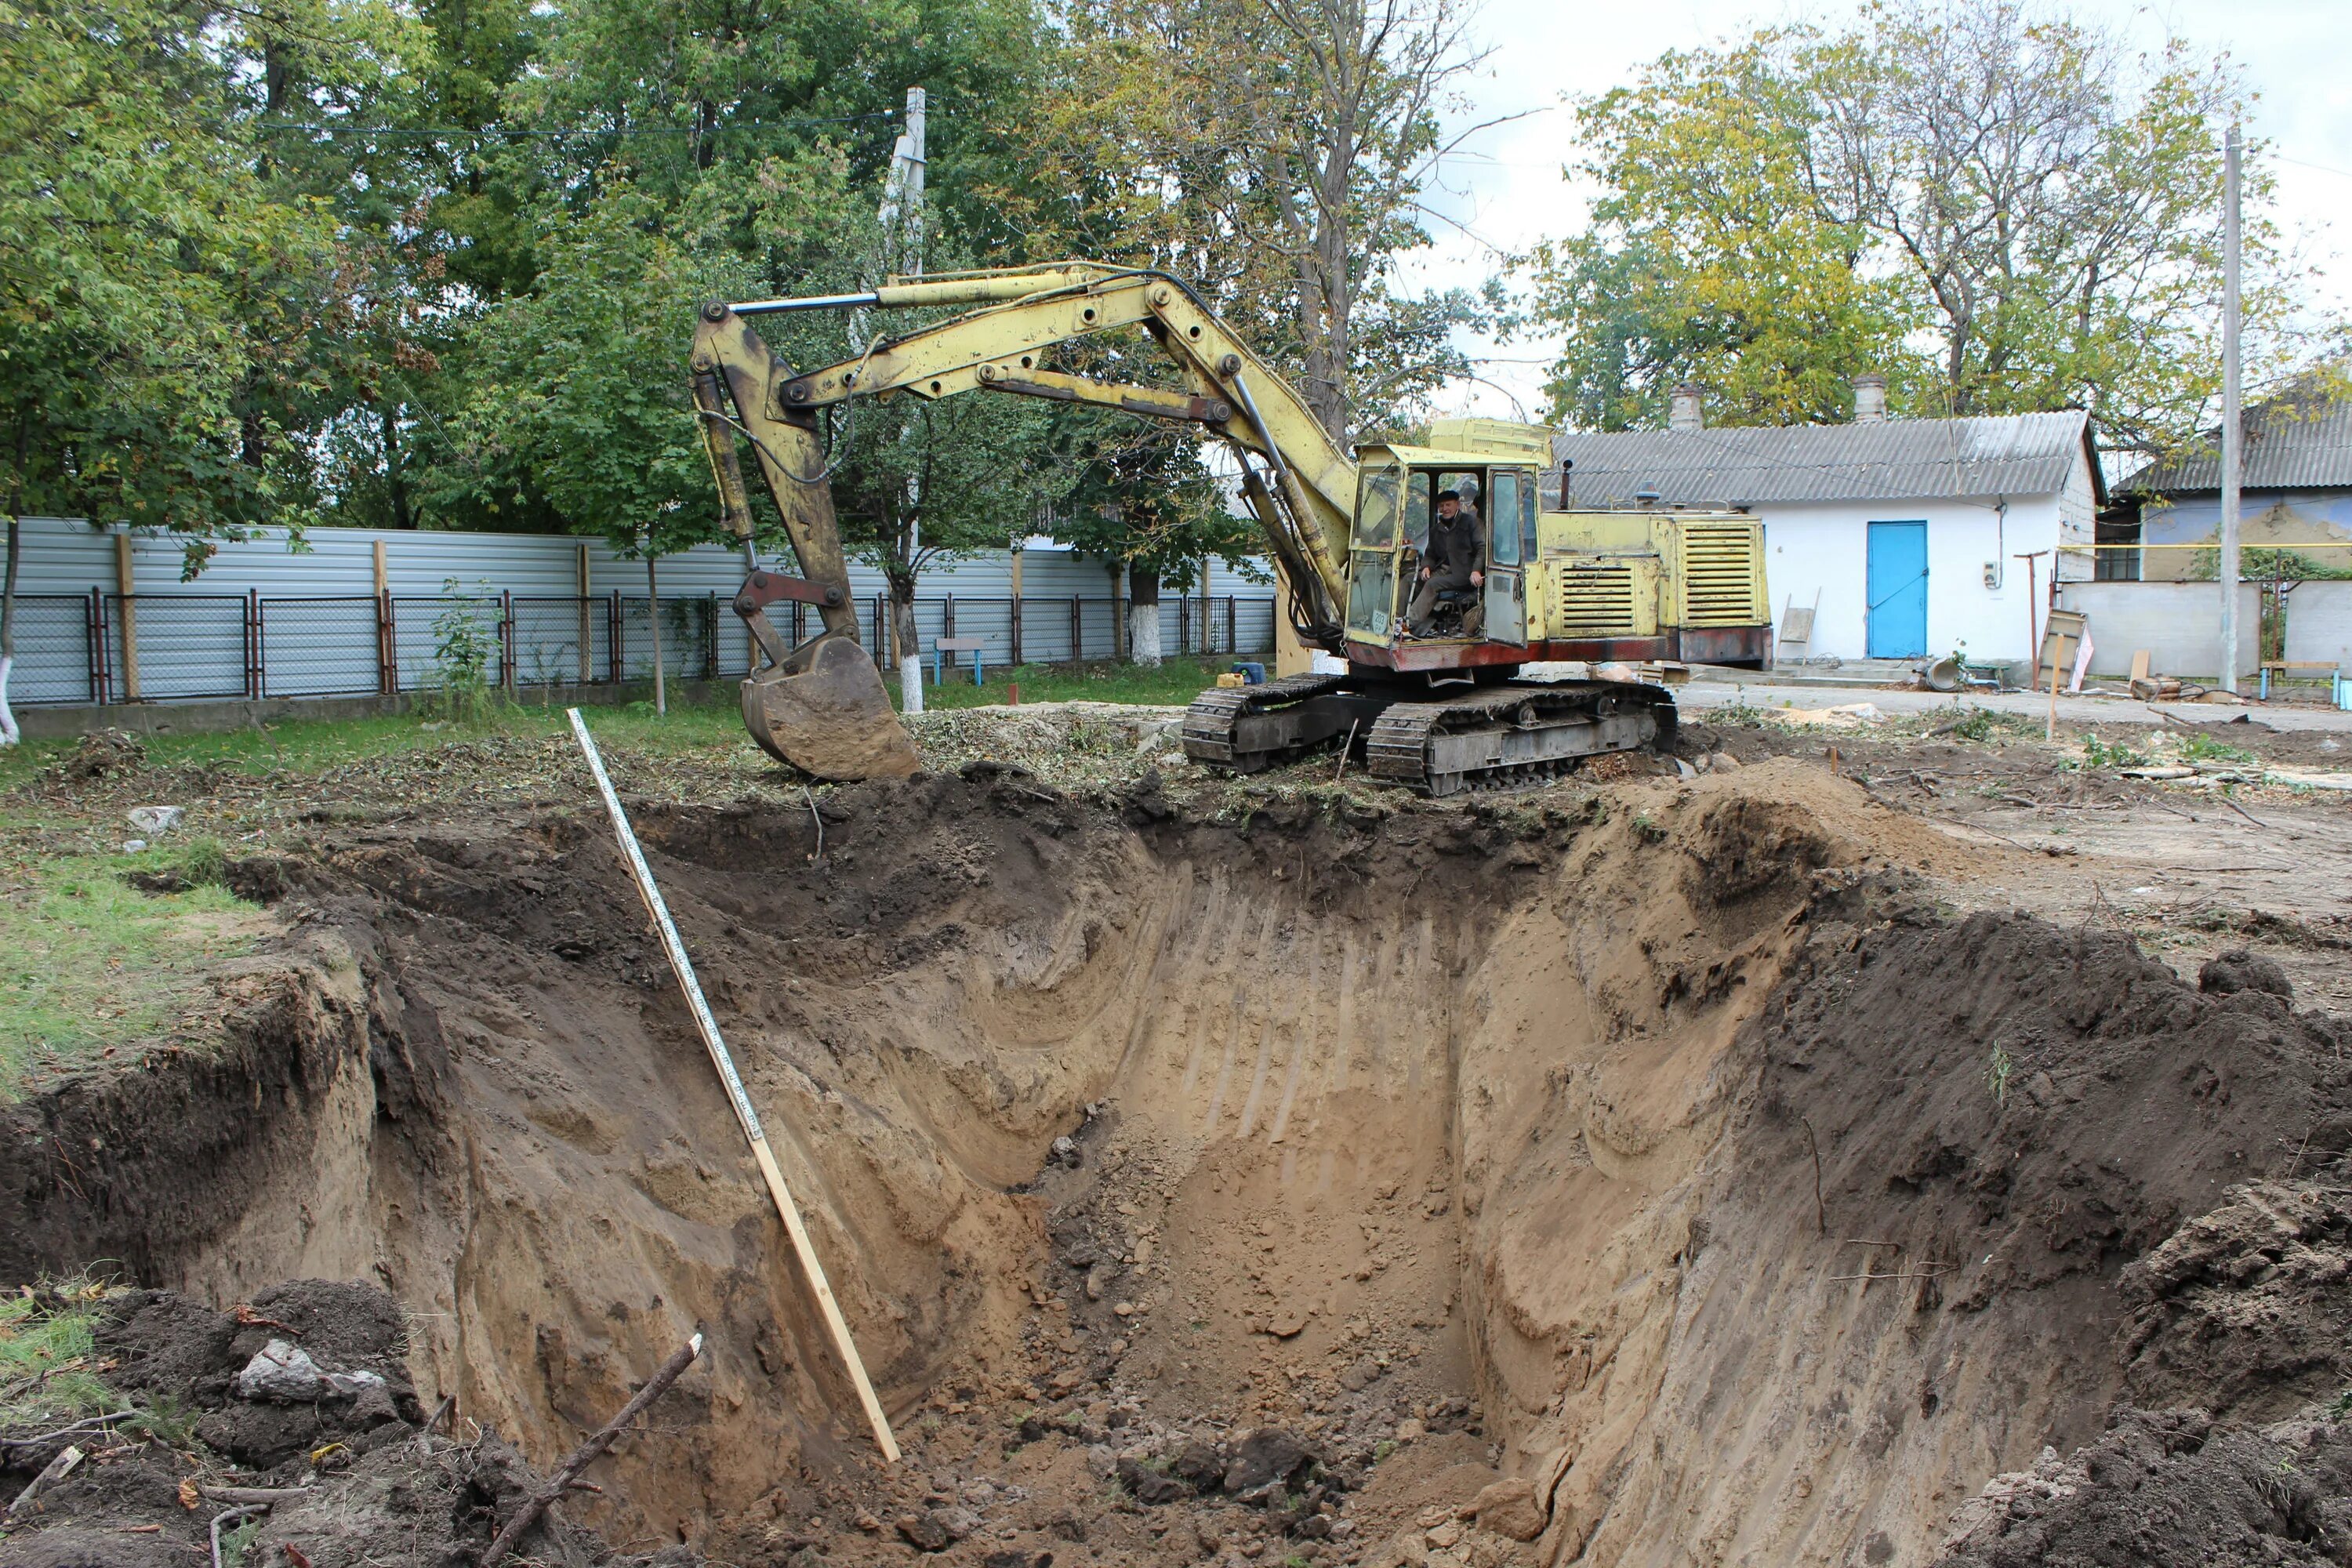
(808, 706)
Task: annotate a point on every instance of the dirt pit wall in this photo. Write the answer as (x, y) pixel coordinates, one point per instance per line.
(1666, 1132)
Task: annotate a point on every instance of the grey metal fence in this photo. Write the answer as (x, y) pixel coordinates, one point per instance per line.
(100, 648)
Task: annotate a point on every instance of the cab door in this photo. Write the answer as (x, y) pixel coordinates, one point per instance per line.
(1509, 537)
(1386, 505)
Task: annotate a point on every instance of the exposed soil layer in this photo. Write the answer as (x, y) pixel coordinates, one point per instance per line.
(1646, 1175)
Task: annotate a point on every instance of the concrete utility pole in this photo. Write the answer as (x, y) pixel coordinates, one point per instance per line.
(2233, 443)
(902, 208)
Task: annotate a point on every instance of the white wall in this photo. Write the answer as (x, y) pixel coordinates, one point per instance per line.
(2179, 625)
(1825, 547)
(2319, 623)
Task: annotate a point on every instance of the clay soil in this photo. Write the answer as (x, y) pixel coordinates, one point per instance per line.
(1822, 1160)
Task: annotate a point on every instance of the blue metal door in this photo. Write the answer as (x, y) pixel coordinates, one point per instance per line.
(1897, 622)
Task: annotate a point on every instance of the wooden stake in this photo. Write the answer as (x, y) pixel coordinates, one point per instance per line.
(683, 968)
(585, 1455)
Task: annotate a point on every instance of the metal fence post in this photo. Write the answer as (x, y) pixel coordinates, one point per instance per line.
(1232, 638)
(1016, 629)
(506, 640)
(710, 634)
(253, 654)
(101, 673)
(614, 631)
(1077, 631)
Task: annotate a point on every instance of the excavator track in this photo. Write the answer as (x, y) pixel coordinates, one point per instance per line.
(1245, 728)
(1515, 735)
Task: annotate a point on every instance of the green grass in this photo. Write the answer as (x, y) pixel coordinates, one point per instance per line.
(316, 745)
(88, 963)
(1176, 682)
(46, 1350)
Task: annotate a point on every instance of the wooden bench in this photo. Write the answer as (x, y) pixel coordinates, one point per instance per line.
(941, 648)
(2323, 669)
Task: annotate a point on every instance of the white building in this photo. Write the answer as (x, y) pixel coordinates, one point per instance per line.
(1913, 536)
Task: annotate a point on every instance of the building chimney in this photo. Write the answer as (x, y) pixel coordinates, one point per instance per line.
(1683, 413)
(1869, 399)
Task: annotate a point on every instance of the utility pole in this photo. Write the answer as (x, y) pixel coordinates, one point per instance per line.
(902, 208)
(2233, 444)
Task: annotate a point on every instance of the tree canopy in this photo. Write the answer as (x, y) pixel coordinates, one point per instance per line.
(1999, 209)
(433, 263)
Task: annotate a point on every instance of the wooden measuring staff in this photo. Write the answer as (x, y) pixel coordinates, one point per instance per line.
(720, 1057)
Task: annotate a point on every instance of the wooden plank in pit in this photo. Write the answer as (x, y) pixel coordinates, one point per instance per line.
(737, 1095)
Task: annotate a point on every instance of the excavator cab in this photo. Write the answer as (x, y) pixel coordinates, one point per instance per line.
(1396, 501)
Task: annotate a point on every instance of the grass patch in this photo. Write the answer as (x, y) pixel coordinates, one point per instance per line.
(2205, 749)
(301, 746)
(1175, 683)
(318, 745)
(47, 1352)
(88, 962)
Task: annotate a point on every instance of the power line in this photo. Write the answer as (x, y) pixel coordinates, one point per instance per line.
(339, 128)
(2306, 163)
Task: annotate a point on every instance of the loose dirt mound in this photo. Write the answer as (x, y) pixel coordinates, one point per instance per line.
(2170, 1491)
(1272, 1186)
(303, 1390)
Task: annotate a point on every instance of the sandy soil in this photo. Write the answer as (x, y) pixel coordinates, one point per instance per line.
(1742, 1167)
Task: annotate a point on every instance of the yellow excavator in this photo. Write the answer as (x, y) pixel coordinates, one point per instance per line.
(1435, 707)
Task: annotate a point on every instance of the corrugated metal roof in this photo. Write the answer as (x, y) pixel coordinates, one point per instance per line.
(2291, 443)
(1895, 459)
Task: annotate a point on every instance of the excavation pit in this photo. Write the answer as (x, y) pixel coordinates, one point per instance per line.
(1663, 1155)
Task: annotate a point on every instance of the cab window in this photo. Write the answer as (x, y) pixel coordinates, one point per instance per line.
(1529, 549)
(1505, 549)
(1376, 510)
(1416, 512)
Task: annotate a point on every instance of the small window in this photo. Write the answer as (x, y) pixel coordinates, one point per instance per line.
(1507, 518)
(1376, 510)
(1416, 512)
(1529, 549)
(1372, 592)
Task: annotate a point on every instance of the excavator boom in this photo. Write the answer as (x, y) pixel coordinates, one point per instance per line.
(822, 707)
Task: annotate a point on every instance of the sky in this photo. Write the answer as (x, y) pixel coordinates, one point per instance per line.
(1505, 191)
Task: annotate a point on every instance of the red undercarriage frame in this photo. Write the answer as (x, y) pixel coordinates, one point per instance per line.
(1750, 645)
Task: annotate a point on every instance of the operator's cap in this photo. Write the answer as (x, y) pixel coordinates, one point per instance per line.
(1449, 495)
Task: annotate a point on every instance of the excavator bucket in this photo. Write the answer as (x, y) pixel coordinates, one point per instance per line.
(824, 711)
(819, 707)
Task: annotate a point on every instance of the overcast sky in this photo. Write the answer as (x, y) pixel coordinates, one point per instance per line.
(1506, 190)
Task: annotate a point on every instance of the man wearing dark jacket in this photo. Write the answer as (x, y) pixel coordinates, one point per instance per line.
(1456, 560)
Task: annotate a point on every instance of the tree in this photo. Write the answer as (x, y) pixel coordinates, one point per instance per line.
(1999, 209)
(1143, 498)
(149, 277)
(1708, 259)
(1274, 154)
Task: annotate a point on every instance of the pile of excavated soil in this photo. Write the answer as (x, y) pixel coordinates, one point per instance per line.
(302, 1444)
(1593, 1176)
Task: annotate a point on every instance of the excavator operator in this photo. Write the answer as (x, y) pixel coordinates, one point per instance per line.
(1455, 560)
